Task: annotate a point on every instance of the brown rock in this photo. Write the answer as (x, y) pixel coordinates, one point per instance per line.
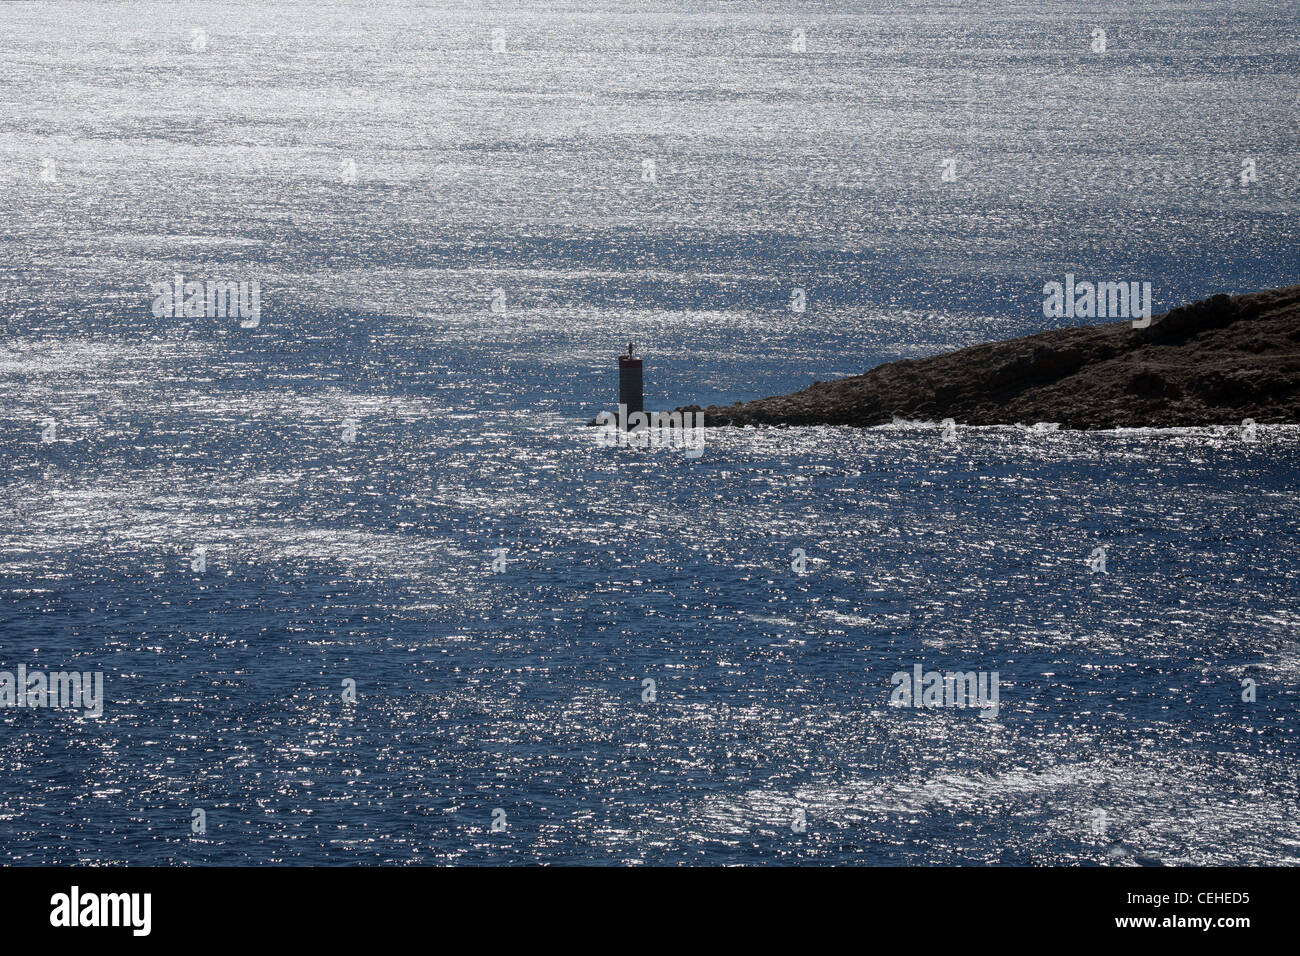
(1213, 362)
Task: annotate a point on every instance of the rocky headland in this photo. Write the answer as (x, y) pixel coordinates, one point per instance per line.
(1214, 362)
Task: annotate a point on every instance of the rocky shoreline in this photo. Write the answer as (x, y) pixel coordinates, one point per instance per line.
(1214, 362)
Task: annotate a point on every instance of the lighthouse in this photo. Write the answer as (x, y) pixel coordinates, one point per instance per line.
(629, 382)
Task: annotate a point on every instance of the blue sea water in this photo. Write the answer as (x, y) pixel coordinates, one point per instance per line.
(133, 149)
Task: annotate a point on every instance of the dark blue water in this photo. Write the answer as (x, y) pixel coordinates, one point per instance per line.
(1122, 733)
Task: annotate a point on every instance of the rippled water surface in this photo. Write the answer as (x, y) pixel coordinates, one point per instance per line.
(127, 156)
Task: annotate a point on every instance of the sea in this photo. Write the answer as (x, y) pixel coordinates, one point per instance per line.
(361, 585)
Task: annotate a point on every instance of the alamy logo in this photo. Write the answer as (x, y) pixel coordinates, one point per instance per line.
(74, 909)
(977, 689)
(653, 430)
(1101, 300)
(213, 299)
(61, 689)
